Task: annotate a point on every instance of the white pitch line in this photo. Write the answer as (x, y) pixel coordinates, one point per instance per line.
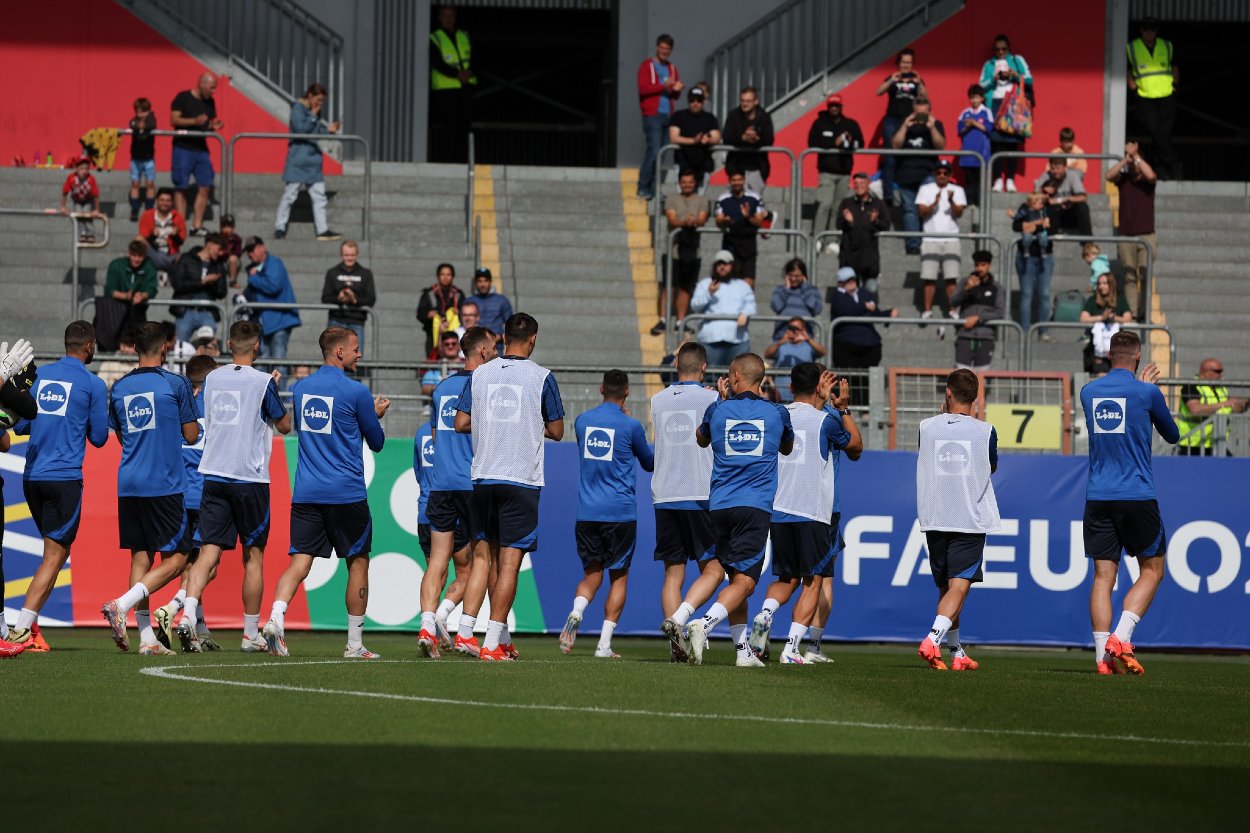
(166, 673)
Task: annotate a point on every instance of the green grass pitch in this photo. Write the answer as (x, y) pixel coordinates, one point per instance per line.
(875, 741)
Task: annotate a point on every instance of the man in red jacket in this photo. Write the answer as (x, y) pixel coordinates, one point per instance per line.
(164, 230)
(659, 88)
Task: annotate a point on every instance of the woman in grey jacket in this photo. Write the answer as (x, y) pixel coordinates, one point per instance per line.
(303, 164)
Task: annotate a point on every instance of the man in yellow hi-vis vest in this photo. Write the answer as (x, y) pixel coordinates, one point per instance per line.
(1201, 400)
(1153, 75)
(452, 82)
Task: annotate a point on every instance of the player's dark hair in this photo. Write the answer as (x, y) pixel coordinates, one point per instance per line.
(78, 334)
(215, 237)
(315, 88)
(749, 366)
(150, 338)
(795, 263)
(142, 103)
(168, 328)
(1066, 134)
(440, 267)
(903, 53)
(474, 338)
(685, 172)
(332, 337)
(963, 385)
(165, 192)
(615, 384)
(198, 367)
(804, 377)
(667, 39)
(519, 328)
(1124, 346)
(1057, 160)
(975, 89)
(691, 357)
(138, 247)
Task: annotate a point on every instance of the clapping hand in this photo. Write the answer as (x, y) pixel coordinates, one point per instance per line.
(1150, 374)
(380, 405)
(722, 387)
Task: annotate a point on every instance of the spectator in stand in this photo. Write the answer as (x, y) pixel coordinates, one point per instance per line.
(1038, 217)
(1067, 147)
(695, 130)
(164, 229)
(940, 203)
(178, 350)
(792, 345)
(269, 283)
(304, 164)
(130, 282)
(860, 217)
(83, 197)
(855, 345)
(1097, 262)
(142, 158)
(198, 276)
(1200, 400)
(903, 86)
(723, 293)
(748, 126)
(1065, 192)
(232, 254)
(438, 309)
(659, 89)
(452, 85)
(796, 297)
(1000, 74)
(686, 212)
(351, 286)
(833, 131)
(113, 369)
(449, 353)
(494, 309)
(470, 315)
(1153, 76)
(740, 213)
(979, 300)
(919, 131)
(975, 125)
(1105, 310)
(204, 341)
(1034, 263)
(1136, 181)
(194, 110)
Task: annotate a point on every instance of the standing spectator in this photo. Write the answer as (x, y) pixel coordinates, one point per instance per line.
(448, 353)
(470, 316)
(1200, 400)
(1000, 74)
(659, 88)
(686, 212)
(438, 309)
(919, 131)
(232, 254)
(1153, 76)
(303, 164)
(1105, 310)
(792, 345)
(269, 283)
(855, 345)
(979, 300)
(1035, 260)
(1068, 147)
(177, 350)
(194, 110)
(83, 195)
(351, 286)
(164, 230)
(129, 284)
(142, 158)
(833, 131)
(493, 308)
(452, 82)
(695, 131)
(940, 203)
(795, 297)
(740, 213)
(1136, 181)
(723, 293)
(975, 125)
(860, 217)
(1065, 192)
(748, 126)
(198, 276)
(903, 86)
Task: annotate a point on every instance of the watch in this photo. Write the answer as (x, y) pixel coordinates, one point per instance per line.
(844, 411)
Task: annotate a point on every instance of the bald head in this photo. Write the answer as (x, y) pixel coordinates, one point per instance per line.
(746, 372)
(1210, 369)
(206, 85)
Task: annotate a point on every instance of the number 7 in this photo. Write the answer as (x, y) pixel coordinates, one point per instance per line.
(1027, 414)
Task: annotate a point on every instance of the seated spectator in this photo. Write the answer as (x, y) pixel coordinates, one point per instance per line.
(448, 353)
(269, 283)
(198, 275)
(1068, 146)
(832, 131)
(857, 344)
(795, 297)
(740, 213)
(975, 125)
(1105, 311)
(1065, 191)
(494, 309)
(724, 294)
(129, 284)
(205, 343)
(919, 131)
(164, 229)
(233, 252)
(177, 350)
(686, 211)
(860, 217)
(113, 369)
(1034, 264)
(940, 204)
(83, 195)
(791, 347)
(695, 131)
(349, 285)
(749, 127)
(438, 309)
(979, 300)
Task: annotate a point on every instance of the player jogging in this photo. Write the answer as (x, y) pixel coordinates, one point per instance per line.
(608, 442)
(957, 509)
(517, 403)
(1121, 511)
(329, 504)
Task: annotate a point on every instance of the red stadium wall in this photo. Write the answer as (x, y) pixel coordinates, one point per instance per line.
(74, 65)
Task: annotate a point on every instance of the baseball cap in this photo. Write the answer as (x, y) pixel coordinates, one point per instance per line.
(696, 92)
(846, 273)
(203, 335)
(251, 243)
(724, 256)
(836, 98)
(943, 163)
(227, 220)
(482, 272)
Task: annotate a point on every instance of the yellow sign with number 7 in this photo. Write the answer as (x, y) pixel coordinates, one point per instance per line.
(1027, 426)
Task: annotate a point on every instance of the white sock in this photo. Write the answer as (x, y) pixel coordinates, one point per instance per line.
(1128, 622)
(940, 626)
(427, 621)
(201, 626)
(737, 633)
(770, 607)
(179, 600)
(143, 618)
(355, 631)
(715, 615)
(952, 642)
(493, 631)
(797, 632)
(1100, 645)
(683, 613)
(190, 609)
(251, 625)
(579, 604)
(445, 607)
(4, 626)
(505, 635)
(25, 619)
(814, 635)
(743, 647)
(132, 597)
(465, 631)
(605, 638)
(278, 615)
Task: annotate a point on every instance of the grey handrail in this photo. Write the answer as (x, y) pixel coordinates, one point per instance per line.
(374, 341)
(987, 171)
(171, 302)
(999, 323)
(815, 323)
(1173, 346)
(203, 134)
(317, 137)
(471, 181)
(73, 242)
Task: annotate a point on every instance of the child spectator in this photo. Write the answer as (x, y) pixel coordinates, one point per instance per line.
(81, 191)
(1068, 145)
(1099, 263)
(1034, 211)
(142, 158)
(975, 124)
(232, 251)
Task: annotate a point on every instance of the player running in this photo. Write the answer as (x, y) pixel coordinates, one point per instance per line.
(956, 506)
(608, 441)
(329, 505)
(1121, 510)
(518, 403)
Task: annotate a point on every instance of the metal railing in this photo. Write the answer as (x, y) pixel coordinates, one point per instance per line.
(1147, 281)
(367, 211)
(1173, 346)
(998, 324)
(815, 324)
(197, 134)
(987, 170)
(199, 303)
(470, 183)
(375, 335)
(75, 246)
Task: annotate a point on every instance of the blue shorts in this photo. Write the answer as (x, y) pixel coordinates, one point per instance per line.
(741, 538)
(151, 524)
(453, 512)
(55, 507)
(143, 170)
(799, 548)
(683, 534)
(825, 567)
(507, 514)
(325, 529)
(234, 513)
(609, 543)
(188, 163)
(955, 555)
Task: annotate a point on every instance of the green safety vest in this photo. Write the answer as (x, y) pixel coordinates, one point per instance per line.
(1151, 72)
(1188, 422)
(456, 54)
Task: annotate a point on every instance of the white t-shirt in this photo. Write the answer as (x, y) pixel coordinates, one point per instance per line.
(941, 220)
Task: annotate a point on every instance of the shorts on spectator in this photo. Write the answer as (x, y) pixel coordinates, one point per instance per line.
(143, 170)
(974, 353)
(609, 543)
(233, 513)
(744, 268)
(684, 535)
(955, 555)
(506, 513)
(1133, 526)
(741, 537)
(55, 507)
(187, 164)
(686, 274)
(799, 548)
(151, 524)
(943, 254)
(325, 529)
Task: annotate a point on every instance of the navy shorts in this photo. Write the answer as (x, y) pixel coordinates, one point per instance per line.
(825, 568)
(151, 524)
(741, 537)
(453, 512)
(325, 529)
(189, 545)
(188, 163)
(610, 543)
(799, 548)
(955, 555)
(233, 513)
(683, 535)
(507, 514)
(424, 539)
(1133, 526)
(56, 508)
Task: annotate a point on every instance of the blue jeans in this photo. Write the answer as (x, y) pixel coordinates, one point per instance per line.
(721, 353)
(354, 326)
(192, 320)
(273, 346)
(1034, 280)
(655, 131)
(911, 217)
(889, 126)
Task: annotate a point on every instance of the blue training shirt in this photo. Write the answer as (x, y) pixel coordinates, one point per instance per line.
(833, 438)
(454, 460)
(423, 465)
(333, 414)
(73, 409)
(746, 433)
(191, 456)
(147, 408)
(608, 442)
(1120, 412)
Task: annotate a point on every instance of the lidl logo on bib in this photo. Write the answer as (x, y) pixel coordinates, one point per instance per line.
(504, 402)
(317, 414)
(953, 457)
(744, 438)
(678, 427)
(53, 397)
(599, 443)
(140, 412)
(1109, 415)
(225, 407)
(427, 452)
(447, 413)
